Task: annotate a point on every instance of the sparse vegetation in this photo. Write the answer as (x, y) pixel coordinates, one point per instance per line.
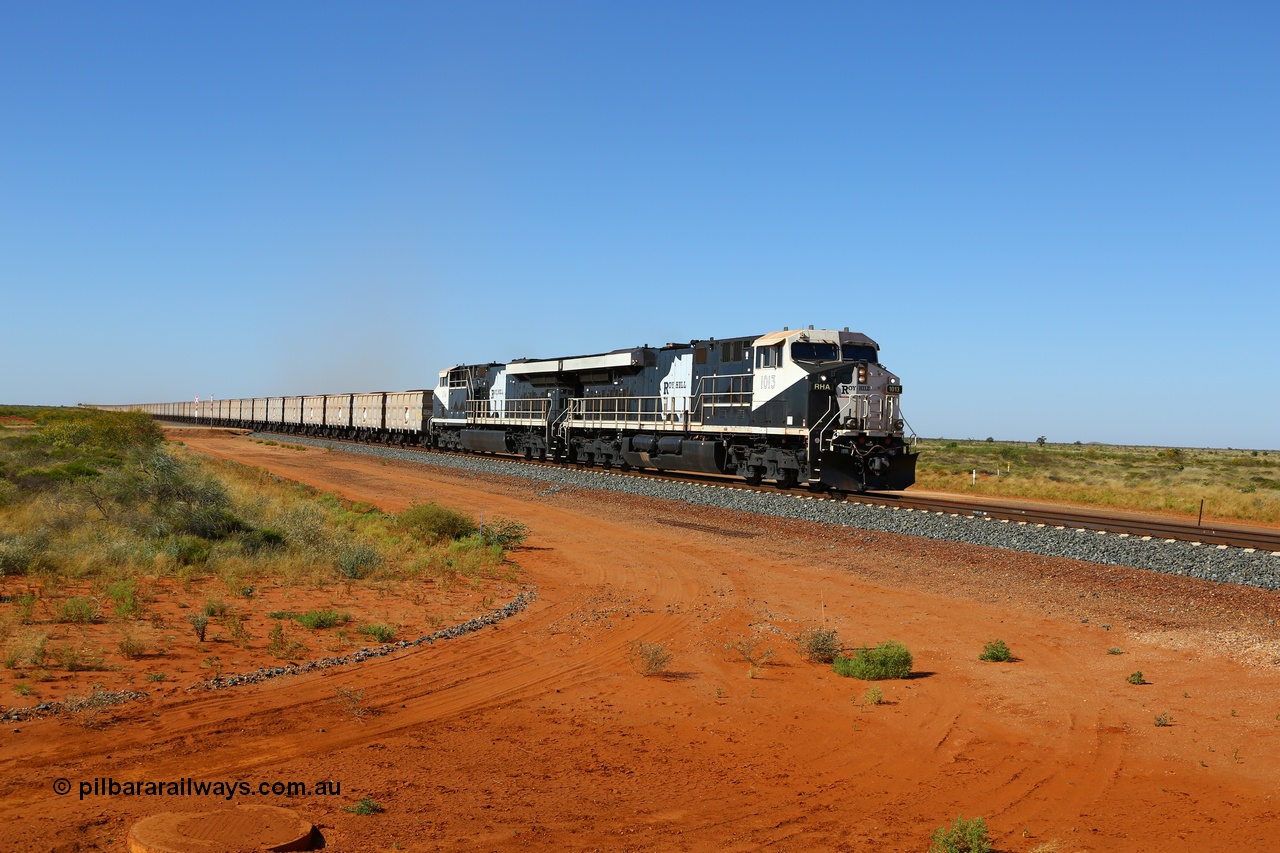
(650, 658)
(431, 522)
(1163, 719)
(819, 644)
(77, 610)
(1115, 650)
(120, 535)
(1136, 678)
(1234, 484)
(379, 633)
(320, 619)
(873, 696)
(965, 835)
(131, 648)
(996, 651)
(752, 650)
(352, 702)
(888, 660)
(199, 624)
(364, 806)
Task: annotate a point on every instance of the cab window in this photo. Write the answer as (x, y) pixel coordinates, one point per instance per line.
(859, 352)
(806, 351)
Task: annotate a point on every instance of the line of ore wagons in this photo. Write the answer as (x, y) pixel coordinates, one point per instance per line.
(394, 417)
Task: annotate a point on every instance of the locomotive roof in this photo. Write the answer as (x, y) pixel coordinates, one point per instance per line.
(822, 335)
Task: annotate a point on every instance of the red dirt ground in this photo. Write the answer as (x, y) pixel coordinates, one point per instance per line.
(539, 733)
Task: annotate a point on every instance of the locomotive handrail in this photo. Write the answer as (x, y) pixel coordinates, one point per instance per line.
(671, 413)
(525, 411)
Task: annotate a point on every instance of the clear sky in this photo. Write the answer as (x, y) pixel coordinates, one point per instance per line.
(1057, 219)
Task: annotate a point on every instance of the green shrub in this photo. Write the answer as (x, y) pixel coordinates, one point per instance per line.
(364, 806)
(74, 659)
(1136, 678)
(963, 836)
(996, 652)
(431, 521)
(820, 645)
(19, 554)
(131, 648)
(356, 561)
(199, 624)
(215, 607)
(873, 696)
(505, 533)
(650, 658)
(379, 633)
(26, 606)
(316, 619)
(888, 660)
(124, 593)
(186, 550)
(78, 611)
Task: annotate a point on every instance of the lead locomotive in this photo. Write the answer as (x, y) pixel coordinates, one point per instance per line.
(807, 406)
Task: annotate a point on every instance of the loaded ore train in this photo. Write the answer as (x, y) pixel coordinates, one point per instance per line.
(810, 406)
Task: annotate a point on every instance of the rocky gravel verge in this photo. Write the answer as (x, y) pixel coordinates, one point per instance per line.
(1208, 562)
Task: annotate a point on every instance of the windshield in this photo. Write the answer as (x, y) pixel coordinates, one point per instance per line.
(859, 352)
(803, 351)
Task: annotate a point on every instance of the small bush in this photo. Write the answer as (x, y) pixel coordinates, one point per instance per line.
(74, 659)
(356, 561)
(352, 701)
(78, 611)
(888, 660)
(1136, 678)
(749, 649)
(430, 522)
(996, 652)
(236, 630)
(124, 594)
(1115, 650)
(131, 648)
(364, 806)
(820, 645)
(505, 533)
(650, 658)
(276, 641)
(199, 624)
(873, 696)
(26, 606)
(965, 835)
(319, 619)
(187, 550)
(1163, 720)
(379, 633)
(215, 607)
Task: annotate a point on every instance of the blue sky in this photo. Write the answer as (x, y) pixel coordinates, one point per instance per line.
(1057, 219)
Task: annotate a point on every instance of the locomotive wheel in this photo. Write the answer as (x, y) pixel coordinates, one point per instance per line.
(753, 476)
(786, 478)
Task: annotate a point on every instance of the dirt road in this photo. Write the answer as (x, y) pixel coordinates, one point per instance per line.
(539, 734)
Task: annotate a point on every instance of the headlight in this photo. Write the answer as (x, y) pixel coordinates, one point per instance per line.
(862, 375)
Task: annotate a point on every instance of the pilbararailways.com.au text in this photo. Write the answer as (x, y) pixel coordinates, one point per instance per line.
(226, 789)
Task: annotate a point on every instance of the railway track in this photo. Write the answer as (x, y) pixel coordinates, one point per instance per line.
(1146, 527)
